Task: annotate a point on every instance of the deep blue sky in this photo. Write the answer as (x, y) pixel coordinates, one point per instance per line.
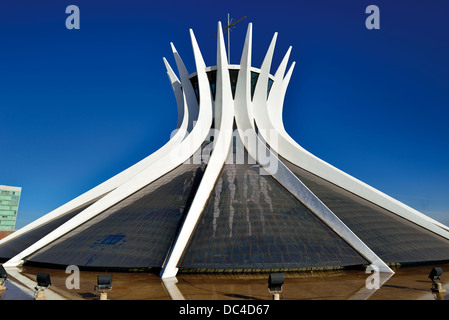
(79, 106)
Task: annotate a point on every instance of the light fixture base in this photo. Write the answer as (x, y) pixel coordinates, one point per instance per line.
(40, 295)
(437, 287)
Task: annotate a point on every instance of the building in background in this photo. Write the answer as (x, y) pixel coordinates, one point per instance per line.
(9, 206)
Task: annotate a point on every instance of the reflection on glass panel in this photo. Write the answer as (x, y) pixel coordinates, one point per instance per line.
(252, 222)
(136, 232)
(212, 76)
(392, 238)
(270, 84)
(233, 76)
(254, 78)
(194, 82)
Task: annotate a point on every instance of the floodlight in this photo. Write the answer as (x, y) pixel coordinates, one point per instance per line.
(104, 282)
(434, 275)
(43, 282)
(275, 282)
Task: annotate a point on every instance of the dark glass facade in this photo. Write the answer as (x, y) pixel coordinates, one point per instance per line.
(254, 78)
(14, 246)
(393, 238)
(252, 222)
(233, 76)
(136, 232)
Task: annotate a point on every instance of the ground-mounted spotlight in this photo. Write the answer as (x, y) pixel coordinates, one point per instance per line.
(3, 277)
(104, 283)
(275, 282)
(43, 282)
(434, 275)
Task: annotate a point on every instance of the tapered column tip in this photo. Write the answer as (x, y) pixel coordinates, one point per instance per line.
(173, 47)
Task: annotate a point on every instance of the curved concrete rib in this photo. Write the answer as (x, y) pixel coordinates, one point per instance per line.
(275, 135)
(279, 171)
(278, 90)
(126, 175)
(183, 112)
(163, 165)
(187, 88)
(222, 143)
